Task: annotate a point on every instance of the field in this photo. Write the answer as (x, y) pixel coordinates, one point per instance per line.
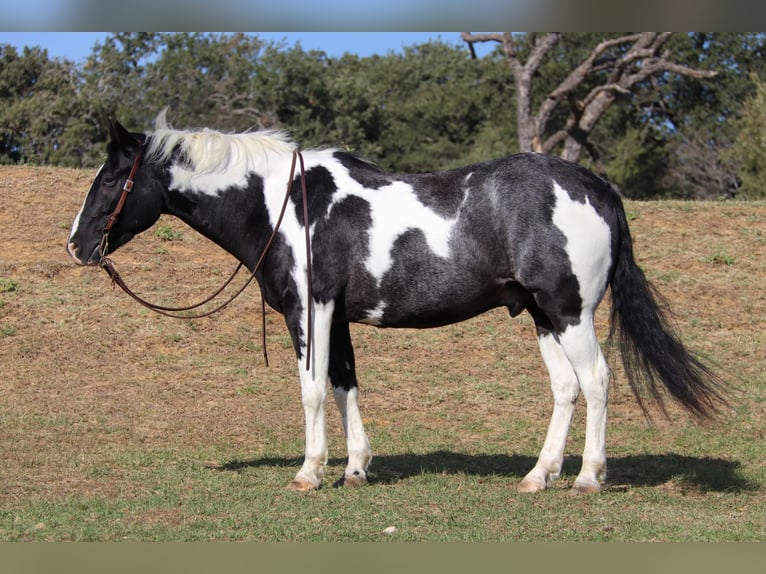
(118, 424)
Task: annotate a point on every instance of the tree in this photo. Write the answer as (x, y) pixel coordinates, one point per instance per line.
(206, 79)
(644, 119)
(748, 152)
(36, 106)
(428, 108)
(612, 68)
(701, 119)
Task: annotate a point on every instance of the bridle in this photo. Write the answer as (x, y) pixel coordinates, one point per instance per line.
(112, 219)
(107, 264)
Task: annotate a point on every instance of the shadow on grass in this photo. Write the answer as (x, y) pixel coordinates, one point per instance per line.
(703, 473)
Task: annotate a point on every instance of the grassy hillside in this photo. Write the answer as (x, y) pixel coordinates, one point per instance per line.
(119, 424)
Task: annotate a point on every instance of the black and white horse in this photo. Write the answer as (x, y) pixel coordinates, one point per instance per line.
(525, 232)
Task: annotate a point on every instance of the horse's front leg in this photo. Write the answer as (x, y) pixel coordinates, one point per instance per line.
(314, 382)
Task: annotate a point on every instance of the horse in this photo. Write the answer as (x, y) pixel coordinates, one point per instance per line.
(528, 232)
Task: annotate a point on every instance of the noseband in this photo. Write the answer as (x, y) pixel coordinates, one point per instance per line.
(108, 265)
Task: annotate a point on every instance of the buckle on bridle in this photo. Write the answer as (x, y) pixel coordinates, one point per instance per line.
(112, 219)
(103, 247)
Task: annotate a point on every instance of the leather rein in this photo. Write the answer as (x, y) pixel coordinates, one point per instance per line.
(108, 265)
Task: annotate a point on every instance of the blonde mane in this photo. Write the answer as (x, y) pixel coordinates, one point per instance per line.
(208, 151)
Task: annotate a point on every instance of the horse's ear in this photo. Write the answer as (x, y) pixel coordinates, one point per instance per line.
(120, 135)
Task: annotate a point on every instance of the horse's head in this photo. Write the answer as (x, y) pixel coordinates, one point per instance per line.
(114, 212)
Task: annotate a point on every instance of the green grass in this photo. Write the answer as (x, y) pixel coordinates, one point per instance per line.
(8, 330)
(8, 285)
(433, 497)
(721, 258)
(166, 233)
(116, 424)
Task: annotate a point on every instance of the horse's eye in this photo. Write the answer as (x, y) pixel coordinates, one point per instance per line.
(109, 180)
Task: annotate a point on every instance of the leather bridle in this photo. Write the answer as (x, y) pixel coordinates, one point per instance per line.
(112, 219)
(108, 265)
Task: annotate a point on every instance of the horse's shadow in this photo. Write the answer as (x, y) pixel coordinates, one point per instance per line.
(703, 473)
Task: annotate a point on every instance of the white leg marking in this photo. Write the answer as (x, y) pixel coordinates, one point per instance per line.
(313, 393)
(565, 390)
(359, 452)
(581, 347)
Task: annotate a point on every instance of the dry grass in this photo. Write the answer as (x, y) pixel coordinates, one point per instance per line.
(116, 423)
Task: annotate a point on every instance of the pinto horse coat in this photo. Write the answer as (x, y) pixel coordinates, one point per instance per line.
(525, 232)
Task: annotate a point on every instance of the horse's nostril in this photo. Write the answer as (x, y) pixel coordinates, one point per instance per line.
(72, 248)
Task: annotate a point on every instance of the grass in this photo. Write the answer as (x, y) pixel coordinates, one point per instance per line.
(8, 285)
(116, 424)
(719, 258)
(166, 233)
(8, 330)
(435, 497)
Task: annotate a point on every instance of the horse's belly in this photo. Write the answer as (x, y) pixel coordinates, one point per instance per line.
(421, 302)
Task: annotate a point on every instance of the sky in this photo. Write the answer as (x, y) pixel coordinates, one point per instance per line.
(76, 46)
(270, 15)
(382, 15)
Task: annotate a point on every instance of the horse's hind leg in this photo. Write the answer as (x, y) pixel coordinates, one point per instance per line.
(359, 452)
(575, 363)
(581, 346)
(565, 389)
(346, 392)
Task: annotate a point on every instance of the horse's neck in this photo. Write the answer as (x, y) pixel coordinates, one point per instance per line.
(224, 219)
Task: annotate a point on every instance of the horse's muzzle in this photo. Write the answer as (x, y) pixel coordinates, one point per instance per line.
(74, 252)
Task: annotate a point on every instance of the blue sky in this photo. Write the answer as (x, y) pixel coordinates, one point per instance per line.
(295, 15)
(381, 15)
(76, 46)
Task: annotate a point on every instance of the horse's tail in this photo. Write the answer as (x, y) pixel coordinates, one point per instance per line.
(652, 354)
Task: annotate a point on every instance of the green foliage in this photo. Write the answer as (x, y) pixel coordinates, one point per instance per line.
(37, 108)
(637, 162)
(8, 285)
(430, 107)
(721, 258)
(422, 110)
(749, 150)
(8, 330)
(166, 233)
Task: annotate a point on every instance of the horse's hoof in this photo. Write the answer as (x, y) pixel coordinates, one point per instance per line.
(351, 480)
(531, 484)
(302, 486)
(586, 488)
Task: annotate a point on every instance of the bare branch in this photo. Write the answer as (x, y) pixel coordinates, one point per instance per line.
(540, 48)
(578, 75)
(624, 61)
(605, 88)
(504, 38)
(656, 65)
(472, 38)
(554, 140)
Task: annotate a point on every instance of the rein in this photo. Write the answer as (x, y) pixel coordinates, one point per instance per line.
(108, 265)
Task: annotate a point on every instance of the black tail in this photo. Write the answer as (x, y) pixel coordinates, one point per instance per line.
(652, 354)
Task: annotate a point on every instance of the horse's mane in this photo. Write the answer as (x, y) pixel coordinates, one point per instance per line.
(207, 150)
